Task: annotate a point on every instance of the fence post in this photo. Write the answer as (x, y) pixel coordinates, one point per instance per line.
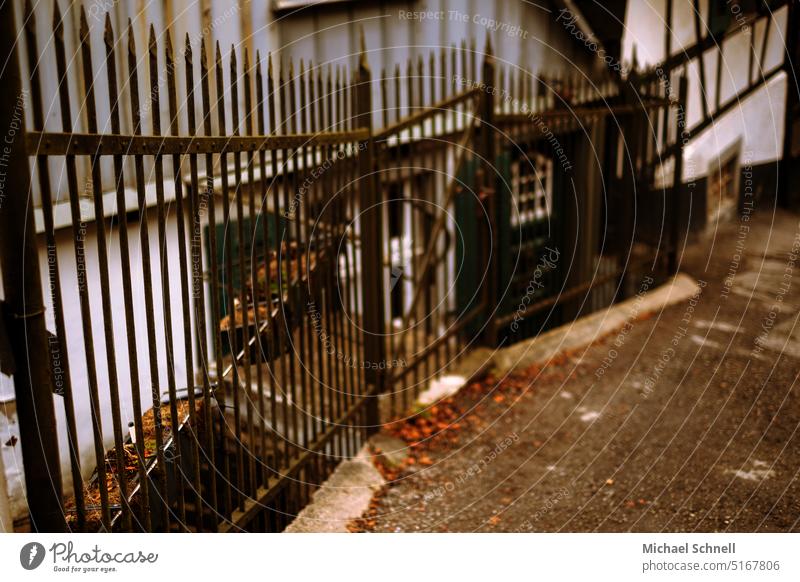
(372, 281)
(488, 192)
(787, 198)
(23, 309)
(677, 194)
(628, 186)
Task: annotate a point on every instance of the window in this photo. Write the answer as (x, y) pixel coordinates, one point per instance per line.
(723, 185)
(531, 189)
(280, 5)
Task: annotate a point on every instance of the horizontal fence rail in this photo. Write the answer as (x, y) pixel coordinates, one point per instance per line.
(250, 279)
(76, 144)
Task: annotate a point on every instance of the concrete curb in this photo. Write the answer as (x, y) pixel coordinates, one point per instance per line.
(346, 495)
(587, 330)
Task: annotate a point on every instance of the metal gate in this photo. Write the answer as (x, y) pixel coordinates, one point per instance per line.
(238, 269)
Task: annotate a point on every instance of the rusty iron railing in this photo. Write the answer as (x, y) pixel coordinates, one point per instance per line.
(236, 405)
(269, 278)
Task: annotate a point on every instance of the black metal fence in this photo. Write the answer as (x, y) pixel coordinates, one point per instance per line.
(509, 205)
(235, 313)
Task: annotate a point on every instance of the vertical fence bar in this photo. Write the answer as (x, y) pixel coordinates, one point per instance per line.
(335, 225)
(448, 120)
(213, 286)
(410, 345)
(677, 194)
(229, 296)
(403, 274)
(320, 125)
(127, 291)
(311, 197)
(195, 313)
(372, 266)
(327, 395)
(243, 272)
(346, 225)
(105, 288)
(265, 348)
(385, 180)
(303, 255)
(284, 282)
(272, 333)
(78, 232)
(787, 195)
(488, 151)
(280, 320)
(254, 284)
(281, 185)
(422, 319)
(330, 152)
(198, 204)
(326, 223)
(186, 314)
(351, 266)
(434, 281)
(147, 280)
(23, 306)
(293, 252)
(628, 188)
(293, 258)
(62, 382)
(342, 384)
(155, 112)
